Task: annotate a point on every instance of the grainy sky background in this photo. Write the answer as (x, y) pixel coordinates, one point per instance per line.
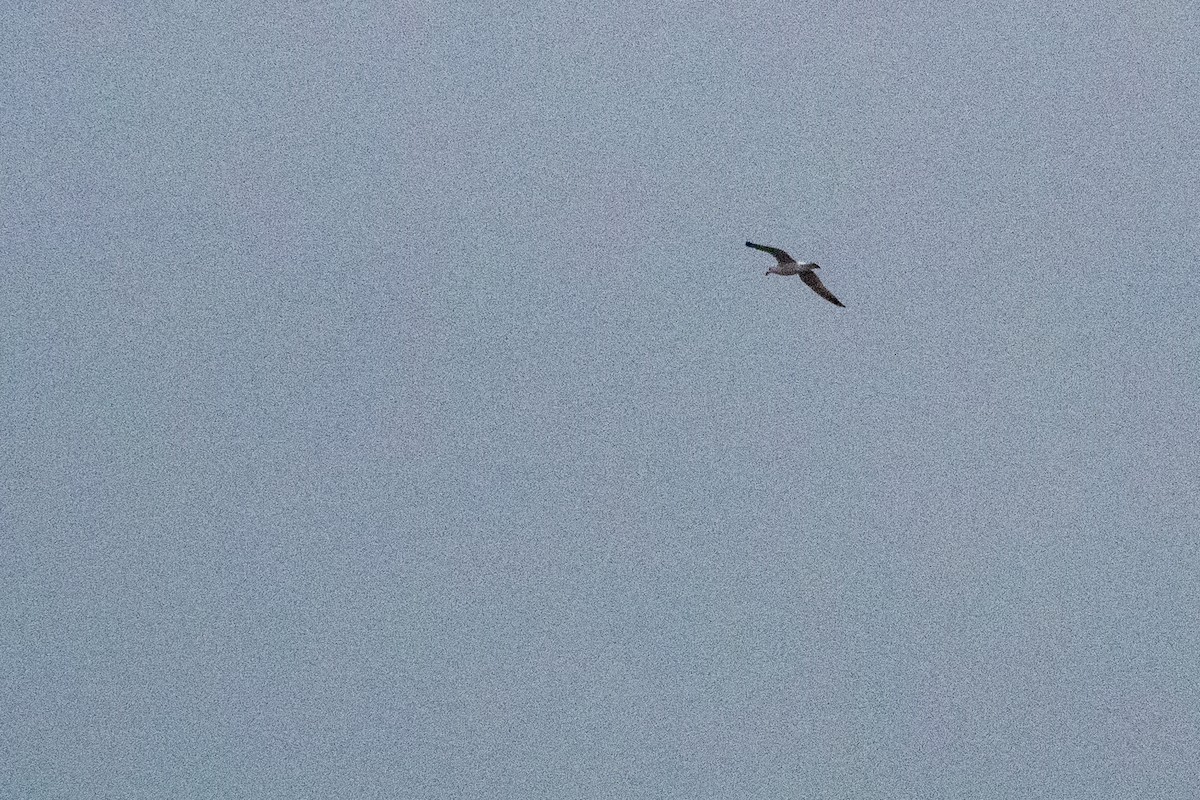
(391, 408)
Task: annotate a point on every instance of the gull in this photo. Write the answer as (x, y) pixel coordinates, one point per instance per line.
(807, 271)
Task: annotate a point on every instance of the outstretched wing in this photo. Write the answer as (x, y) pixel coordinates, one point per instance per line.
(783, 257)
(814, 283)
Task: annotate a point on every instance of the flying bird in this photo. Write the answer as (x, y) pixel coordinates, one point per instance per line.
(807, 271)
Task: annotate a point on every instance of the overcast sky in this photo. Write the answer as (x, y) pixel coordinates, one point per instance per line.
(391, 407)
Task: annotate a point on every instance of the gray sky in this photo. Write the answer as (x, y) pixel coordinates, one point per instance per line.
(391, 408)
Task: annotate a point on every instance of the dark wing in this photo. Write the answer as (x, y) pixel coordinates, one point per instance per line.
(815, 284)
(783, 257)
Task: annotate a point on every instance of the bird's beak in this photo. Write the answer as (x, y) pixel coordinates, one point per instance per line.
(768, 272)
